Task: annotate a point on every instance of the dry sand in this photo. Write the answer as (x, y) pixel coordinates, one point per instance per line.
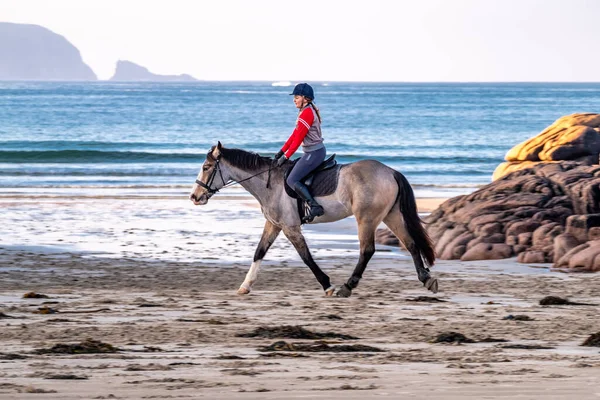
(175, 327)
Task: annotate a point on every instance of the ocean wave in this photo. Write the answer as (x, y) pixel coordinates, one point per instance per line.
(94, 156)
(98, 186)
(268, 148)
(448, 186)
(123, 157)
(432, 173)
(65, 173)
(199, 147)
(419, 147)
(282, 83)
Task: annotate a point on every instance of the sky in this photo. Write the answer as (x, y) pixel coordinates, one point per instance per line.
(331, 40)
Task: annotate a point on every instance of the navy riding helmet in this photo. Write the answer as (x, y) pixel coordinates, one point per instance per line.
(304, 89)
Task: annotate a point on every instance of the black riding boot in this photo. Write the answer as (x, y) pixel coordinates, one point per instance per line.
(316, 210)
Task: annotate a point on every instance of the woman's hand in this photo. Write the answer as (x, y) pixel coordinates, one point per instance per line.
(279, 159)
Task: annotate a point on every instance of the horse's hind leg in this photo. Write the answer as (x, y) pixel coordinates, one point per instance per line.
(269, 235)
(295, 236)
(366, 237)
(395, 222)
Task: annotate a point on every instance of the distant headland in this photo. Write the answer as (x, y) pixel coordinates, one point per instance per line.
(34, 53)
(128, 71)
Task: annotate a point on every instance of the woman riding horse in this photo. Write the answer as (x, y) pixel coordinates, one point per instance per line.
(307, 133)
(367, 189)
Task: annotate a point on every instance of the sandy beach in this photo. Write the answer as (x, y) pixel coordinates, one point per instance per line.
(151, 283)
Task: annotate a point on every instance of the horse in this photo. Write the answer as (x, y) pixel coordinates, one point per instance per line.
(367, 189)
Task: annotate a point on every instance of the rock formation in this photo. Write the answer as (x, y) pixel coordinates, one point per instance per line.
(546, 210)
(573, 137)
(520, 214)
(578, 249)
(131, 72)
(31, 52)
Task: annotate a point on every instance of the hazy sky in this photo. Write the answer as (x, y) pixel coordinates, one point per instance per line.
(366, 40)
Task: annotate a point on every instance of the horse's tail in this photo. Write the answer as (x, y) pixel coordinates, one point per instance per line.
(412, 221)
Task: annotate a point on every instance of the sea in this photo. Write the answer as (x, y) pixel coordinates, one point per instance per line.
(94, 138)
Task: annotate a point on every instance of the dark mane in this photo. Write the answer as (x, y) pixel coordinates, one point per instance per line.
(246, 160)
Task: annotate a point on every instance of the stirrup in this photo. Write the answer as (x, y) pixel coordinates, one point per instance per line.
(309, 217)
(321, 210)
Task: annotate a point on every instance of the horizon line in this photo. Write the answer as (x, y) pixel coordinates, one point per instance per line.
(276, 81)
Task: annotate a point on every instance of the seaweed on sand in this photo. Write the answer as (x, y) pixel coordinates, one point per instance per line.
(452, 337)
(427, 299)
(292, 332)
(518, 317)
(592, 341)
(559, 301)
(88, 346)
(34, 295)
(320, 347)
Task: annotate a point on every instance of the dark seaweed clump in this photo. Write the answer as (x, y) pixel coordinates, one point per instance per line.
(34, 295)
(427, 299)
(89, 346)
(518, 317)
(559, 301)
(292, 332)
(320, 347)
(592, 341)
(12, 356)
(452, 337)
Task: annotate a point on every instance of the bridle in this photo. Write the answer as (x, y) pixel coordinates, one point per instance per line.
(211, 179)
(213, 174)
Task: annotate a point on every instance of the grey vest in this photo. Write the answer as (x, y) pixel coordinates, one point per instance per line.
(313, 139)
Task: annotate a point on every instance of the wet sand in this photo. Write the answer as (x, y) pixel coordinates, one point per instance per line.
(179, 330)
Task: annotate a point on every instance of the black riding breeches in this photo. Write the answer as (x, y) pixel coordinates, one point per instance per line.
(305, 165)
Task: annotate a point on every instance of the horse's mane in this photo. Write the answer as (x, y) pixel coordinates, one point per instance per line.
(246, 160)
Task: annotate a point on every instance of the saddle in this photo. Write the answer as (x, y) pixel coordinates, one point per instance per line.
(322, 181)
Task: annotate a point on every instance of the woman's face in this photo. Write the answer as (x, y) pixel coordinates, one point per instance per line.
(299, 101)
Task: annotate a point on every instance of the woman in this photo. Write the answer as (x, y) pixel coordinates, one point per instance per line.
(307, 133)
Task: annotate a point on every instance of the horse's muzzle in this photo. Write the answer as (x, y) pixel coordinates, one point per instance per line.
(199, 201)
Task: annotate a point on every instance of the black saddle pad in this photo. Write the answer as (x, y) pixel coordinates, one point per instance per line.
(324, 183)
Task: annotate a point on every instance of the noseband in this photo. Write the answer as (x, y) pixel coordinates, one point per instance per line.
(211, 179)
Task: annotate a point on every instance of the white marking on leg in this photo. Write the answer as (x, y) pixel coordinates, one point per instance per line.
(251, 276)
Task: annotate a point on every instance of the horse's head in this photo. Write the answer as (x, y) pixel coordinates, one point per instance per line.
(211, 177)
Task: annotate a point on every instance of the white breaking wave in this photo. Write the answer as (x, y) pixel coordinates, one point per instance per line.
(282, 83)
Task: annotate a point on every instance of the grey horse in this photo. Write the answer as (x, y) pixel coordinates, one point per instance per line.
(367, 189)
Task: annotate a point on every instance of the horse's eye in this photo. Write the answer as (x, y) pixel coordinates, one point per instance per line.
(205, 168)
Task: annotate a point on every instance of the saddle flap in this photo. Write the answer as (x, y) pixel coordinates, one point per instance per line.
(322, 183)
(327, 164)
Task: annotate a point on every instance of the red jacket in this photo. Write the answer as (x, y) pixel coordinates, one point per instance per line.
(303, 124)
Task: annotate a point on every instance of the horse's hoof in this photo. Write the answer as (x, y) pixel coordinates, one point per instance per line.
(243, 290)
(344, 291)
(432, 284)
(329, 292)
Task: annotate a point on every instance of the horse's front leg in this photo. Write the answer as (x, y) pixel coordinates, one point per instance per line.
(294, 234)
(269, 235)
(366, 236)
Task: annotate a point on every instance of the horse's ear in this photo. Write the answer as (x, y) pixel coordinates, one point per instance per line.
(216, 150)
